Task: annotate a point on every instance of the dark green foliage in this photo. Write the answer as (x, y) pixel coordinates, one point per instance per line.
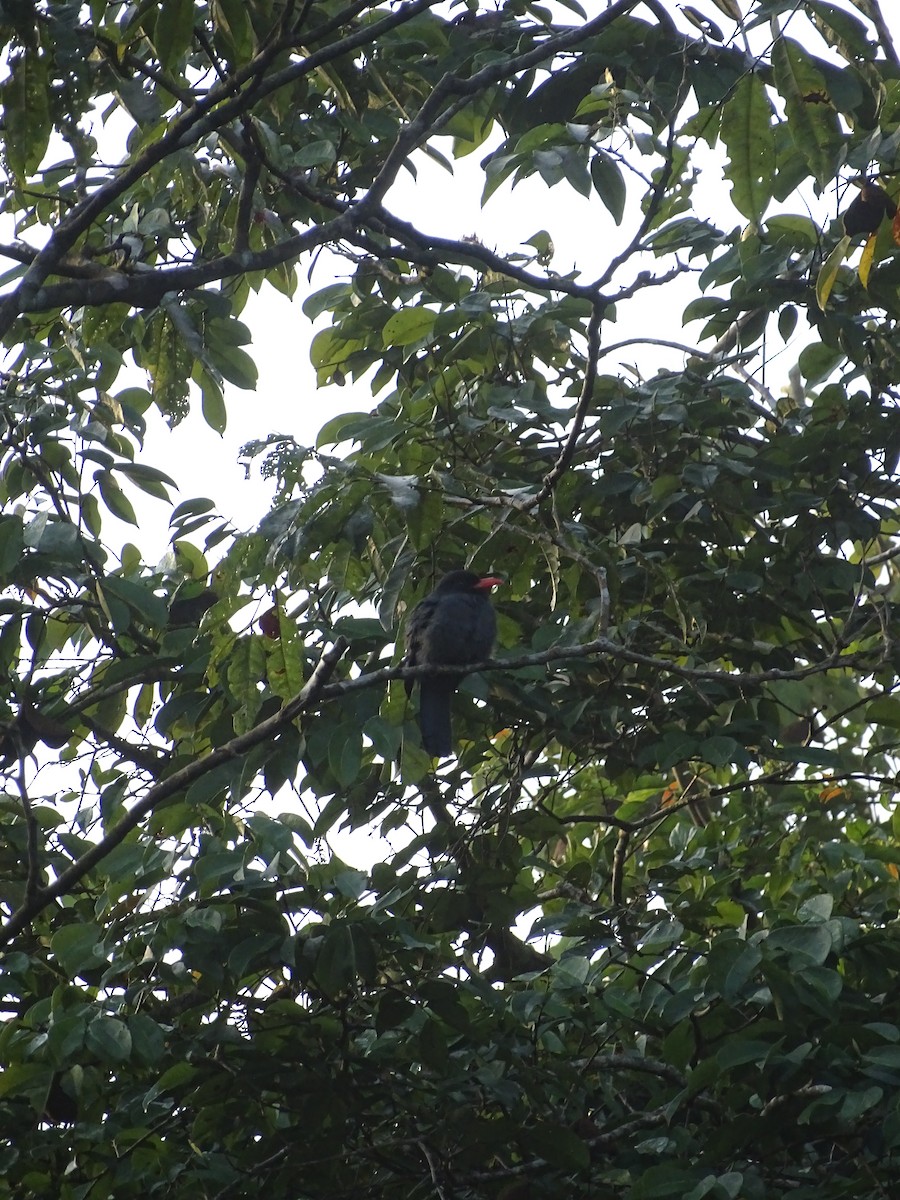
(638, 938)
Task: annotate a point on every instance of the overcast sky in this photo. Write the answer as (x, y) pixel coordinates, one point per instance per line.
(287, 400)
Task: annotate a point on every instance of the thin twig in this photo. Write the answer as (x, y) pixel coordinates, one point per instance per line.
(559, 468)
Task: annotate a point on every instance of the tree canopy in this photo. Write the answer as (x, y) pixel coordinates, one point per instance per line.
(638, 936)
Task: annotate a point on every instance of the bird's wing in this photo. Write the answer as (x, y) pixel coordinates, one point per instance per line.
(416, 636)
(461, 631)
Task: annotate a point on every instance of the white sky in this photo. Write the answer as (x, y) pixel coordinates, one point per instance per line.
(286, 399)
(584, 235)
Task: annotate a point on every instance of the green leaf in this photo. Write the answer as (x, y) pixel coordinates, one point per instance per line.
(610, 184)
(814, 128)
(559, 1146)
(885, 711)
(347, 955)
(747, 132)
(408, 326)
(173, 32)
(233, 27)
(787, 322)
(78, 947)
(12, 542)
(817, 362)
(213, 402)
(190, 508)
(286, 665)
(345, 755)
(327, 300)
(25, 96)
(741, 972)
(845, 25)
(109, 1039)
(246, 669)
(143, 603)
(148, 1038)
(235, 365)
(148, 479)
(114, 498)
(718, 750)
(802, 942)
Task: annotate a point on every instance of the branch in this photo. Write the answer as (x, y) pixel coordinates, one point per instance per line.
(171, 786)
(872, 10)
(559, 468)
(428, 115)
(604, 646)
(148, 759)
(657, 194)
(248, 191)
(511, 956)
(32, 881)
(615, 1138)
(220, 105)
(803, 1093)
(145, 288)
(436, 251)
(617, 875)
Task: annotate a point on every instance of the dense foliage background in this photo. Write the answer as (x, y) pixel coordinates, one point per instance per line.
(639, 937)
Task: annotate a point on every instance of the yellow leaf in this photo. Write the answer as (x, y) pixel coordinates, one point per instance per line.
(865, 262)
(829, 270)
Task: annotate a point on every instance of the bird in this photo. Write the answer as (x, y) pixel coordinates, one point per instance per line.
(453, 626)
(868, 210)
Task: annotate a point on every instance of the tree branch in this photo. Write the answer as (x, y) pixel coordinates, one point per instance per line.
(422, 125)
(171, 786)
(559, 468)
(600, 647)
(220, 105)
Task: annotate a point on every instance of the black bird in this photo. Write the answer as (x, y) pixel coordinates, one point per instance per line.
(868, 210)
(454, 626)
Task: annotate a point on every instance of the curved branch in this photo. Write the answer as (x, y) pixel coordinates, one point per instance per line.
(146, 288)
(562, 464)
(429, 115)
(170, 787)
(221, 104)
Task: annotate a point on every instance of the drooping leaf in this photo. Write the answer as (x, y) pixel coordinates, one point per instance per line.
(747, 132)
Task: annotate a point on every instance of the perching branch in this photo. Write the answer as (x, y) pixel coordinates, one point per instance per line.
(739, 680)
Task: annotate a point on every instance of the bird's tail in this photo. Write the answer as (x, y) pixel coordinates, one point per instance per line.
(434, 716)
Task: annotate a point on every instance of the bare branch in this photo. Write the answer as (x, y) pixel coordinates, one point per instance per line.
(552, 478)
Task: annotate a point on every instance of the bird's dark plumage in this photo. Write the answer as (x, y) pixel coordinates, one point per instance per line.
(454, 626)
